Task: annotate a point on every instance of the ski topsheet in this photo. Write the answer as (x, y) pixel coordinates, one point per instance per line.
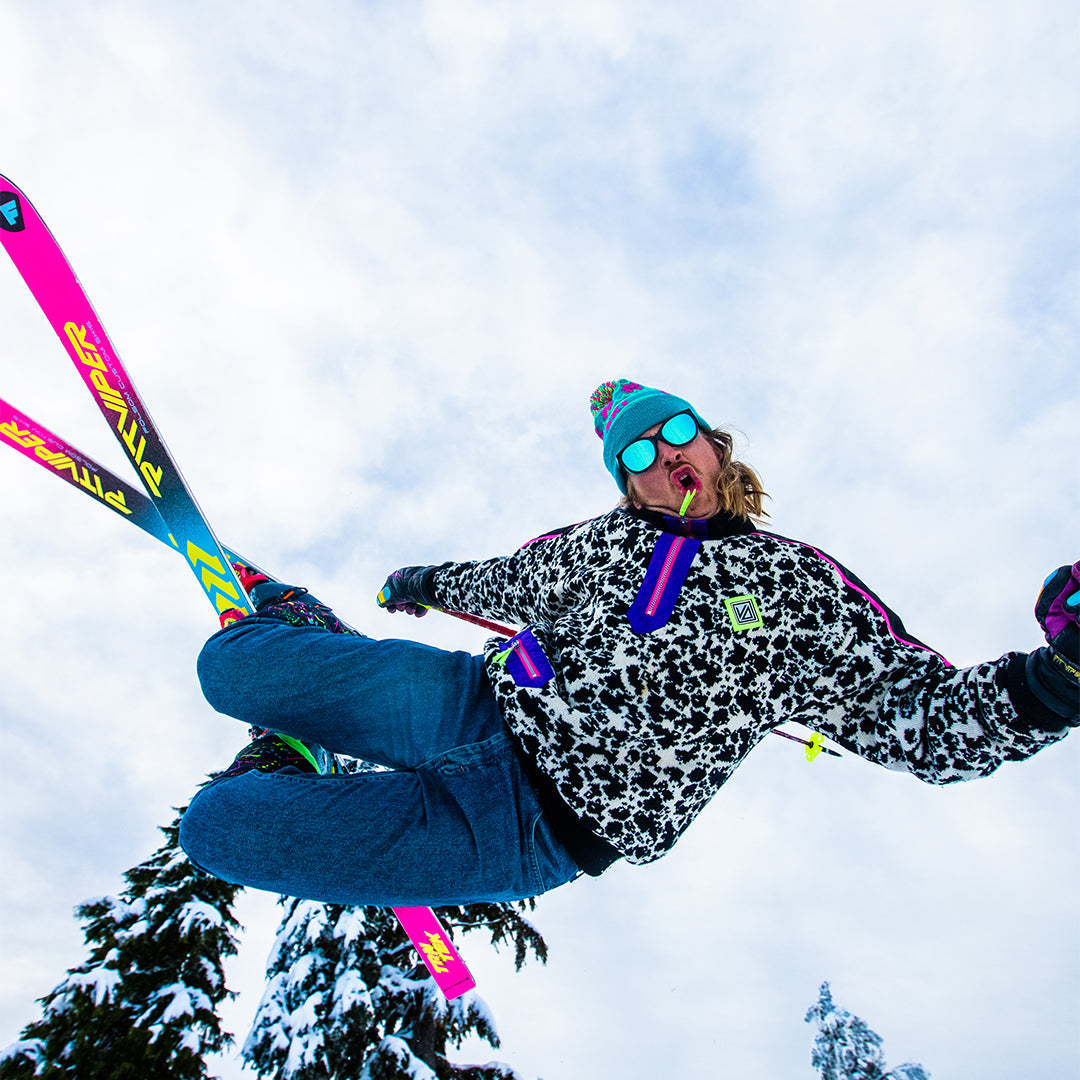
(170, 514)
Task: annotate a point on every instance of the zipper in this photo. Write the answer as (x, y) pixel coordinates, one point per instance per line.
(665, 574)
(526, 660)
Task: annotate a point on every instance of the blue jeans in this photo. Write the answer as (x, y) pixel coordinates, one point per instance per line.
(456, 821)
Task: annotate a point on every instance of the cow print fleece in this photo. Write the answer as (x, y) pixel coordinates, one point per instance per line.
(639, 730)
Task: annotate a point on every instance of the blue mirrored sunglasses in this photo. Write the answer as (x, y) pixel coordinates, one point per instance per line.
(641, 453)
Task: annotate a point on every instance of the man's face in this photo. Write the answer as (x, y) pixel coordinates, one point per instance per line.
(677, 470)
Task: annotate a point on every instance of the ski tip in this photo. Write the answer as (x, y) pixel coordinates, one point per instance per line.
(457, 989)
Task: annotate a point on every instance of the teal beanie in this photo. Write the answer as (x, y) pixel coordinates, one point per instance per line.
(623, 410)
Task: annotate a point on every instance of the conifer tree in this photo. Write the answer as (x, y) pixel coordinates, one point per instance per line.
(144, 1003)
(846, 1048)
(348, 999)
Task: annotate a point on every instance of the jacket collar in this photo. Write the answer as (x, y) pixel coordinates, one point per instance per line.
(717, 527)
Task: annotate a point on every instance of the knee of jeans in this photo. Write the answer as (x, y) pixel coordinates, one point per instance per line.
(193, 838)
(221, 668)
(199, 839)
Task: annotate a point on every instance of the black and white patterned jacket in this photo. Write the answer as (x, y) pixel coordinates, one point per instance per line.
(658, 652)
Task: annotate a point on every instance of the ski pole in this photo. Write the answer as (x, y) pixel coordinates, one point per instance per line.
(814, 745)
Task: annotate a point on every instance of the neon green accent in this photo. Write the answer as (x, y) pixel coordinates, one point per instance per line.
(686, 502)
(814, 746)
(301, 749)
(502, 657)
(744, 612)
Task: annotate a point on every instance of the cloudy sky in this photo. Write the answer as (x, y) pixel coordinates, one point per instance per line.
(366, 262)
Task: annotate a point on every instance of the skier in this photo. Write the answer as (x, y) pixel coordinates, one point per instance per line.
(663, 640)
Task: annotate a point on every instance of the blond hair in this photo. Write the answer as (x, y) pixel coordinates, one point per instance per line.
(738, 485)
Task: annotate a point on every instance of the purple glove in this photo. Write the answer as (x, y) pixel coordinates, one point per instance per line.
(1053, 673)
(410, 589)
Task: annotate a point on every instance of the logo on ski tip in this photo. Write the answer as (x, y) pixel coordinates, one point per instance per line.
(11, 218)
(744, 613)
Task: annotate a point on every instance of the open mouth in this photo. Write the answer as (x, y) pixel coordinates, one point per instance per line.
(686, 479)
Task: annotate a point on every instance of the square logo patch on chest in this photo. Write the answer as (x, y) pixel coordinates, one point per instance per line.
(744, 613)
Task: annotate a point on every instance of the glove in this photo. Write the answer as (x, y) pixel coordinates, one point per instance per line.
(1053, 672)
(410, 589)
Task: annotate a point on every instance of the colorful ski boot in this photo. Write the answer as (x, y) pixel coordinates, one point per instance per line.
(289, 603)
(273, 751)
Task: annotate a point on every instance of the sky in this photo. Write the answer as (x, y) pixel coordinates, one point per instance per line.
(367, 261)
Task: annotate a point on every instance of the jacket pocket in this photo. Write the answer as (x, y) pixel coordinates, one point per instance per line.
(656, 598)
(525, 661)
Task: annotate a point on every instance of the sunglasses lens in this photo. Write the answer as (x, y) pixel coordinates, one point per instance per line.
(638, 456)
(679, 430)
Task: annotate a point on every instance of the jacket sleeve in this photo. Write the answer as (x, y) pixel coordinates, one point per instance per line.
(528, 586)
(890, 699)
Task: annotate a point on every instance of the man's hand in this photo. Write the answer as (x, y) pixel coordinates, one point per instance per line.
(410, 590)
(1053, 673)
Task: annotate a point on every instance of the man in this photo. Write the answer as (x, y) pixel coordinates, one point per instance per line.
(662, 641)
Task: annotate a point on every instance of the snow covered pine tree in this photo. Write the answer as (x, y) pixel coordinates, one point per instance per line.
(144, 1004)
(346, 998)
(846, 1049)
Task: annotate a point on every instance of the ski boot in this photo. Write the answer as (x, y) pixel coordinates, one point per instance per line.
(289, 603)
(271, 751)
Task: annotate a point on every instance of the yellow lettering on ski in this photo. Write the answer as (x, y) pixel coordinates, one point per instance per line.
(111, 400)
(117, 501)
(86, 350)
(437, 952)
(129, 441)
(17, 435)
(152, 475)
(117, 406)
(92, 483)
(60, 462)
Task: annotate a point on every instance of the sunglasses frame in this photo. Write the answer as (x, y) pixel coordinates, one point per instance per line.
(654, 439)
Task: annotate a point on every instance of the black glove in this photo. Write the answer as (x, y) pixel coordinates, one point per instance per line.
(410, 589)
(1053, 672)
